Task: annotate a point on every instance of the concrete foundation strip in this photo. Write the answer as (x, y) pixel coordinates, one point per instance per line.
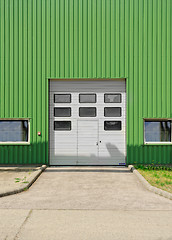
(24, 186)
(148, 185)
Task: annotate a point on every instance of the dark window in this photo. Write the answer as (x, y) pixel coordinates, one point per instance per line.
(62, 98)
(62, 125)
(112, 125)
(112, 98)
(112, 112)
(87, 98)
(87, 112)
(62, 112)
(14, 130)
(157, 131)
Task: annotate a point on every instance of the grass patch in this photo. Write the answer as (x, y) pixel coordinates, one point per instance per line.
(158, 178)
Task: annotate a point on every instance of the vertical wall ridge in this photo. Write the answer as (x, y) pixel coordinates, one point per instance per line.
(44, 39)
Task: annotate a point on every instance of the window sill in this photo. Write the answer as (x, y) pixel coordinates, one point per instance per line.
(158, 143)
(14, 143)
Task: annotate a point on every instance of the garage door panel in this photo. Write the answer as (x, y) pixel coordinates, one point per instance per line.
(59, 152)
(104, 147)
(112, 154)
(101, 162)
(64, 161)
(63, 136)
(87, 139)
(90, 143)
(62, 143)
(84, 86)
(62, 147)
(110, 143)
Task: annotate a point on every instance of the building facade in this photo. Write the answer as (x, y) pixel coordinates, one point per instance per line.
(85, 82)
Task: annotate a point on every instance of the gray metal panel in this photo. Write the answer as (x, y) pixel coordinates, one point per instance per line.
(89, 85)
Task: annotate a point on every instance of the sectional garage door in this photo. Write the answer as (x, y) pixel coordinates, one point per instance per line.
(87, 122)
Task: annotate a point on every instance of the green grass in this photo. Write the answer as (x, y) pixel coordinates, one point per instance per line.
(158, 178)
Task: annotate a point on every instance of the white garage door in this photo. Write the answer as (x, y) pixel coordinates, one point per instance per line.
(87, 122)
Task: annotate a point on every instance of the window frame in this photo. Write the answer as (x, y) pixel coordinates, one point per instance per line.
(17, 143)
(113, 94)
(62, 130)
(113, 116)
(114, 130)
(156, 120)
(63, 94)
(70, 110)
(87, 101)
(88, 116)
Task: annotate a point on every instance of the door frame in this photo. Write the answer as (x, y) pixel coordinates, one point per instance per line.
(49, 79)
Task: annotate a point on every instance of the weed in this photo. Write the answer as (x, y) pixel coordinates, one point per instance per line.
(154, 167)
(158, 177)
(21, 180)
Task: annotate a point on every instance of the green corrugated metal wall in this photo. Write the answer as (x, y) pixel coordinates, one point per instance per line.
(42, 39)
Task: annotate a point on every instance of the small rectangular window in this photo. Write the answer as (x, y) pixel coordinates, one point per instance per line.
(158, 131)
(112, 98)
(62, 112)
(62, 98)
(87, 112)
(112, 125)
(14, 131)
(112, 112)
(87, 98)
(62, 125)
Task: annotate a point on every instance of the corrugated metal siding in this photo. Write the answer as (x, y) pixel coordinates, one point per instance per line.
(41, 39)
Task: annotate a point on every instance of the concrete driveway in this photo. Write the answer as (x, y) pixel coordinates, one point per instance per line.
(86, 203)
(87, 188)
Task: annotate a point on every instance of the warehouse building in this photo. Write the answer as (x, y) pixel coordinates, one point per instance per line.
(85, 82)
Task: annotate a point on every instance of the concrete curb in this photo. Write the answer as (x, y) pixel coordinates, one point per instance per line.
(24, 186)
(19, 169)
(148, 185)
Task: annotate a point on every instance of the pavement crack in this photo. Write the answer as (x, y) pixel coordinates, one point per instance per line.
(27, 217)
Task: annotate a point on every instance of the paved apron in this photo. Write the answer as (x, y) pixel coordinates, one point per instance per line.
(87, 188)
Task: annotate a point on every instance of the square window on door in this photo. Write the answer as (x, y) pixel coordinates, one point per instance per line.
(62, 125)
(158, 131)
(62, 98)
(112, 112)
(112, 98)
(112, 125)
(62, 112)
(87, 112)
(87, 98)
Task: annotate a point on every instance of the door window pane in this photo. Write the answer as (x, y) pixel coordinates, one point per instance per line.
(112, 112)
(112, 125)
(87, 112)
(62, 112)
(157, 131)
(13, 130)
(87, 98)
(62, 98)
(112, 98)
(62, 125)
